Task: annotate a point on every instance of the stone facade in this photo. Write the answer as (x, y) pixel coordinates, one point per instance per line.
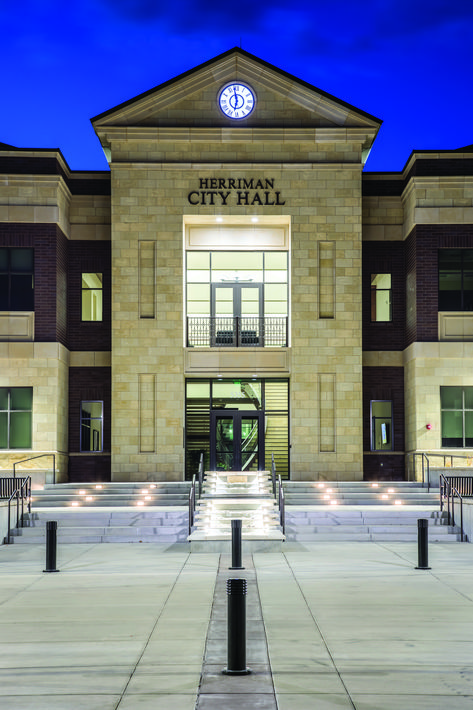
(295, 165)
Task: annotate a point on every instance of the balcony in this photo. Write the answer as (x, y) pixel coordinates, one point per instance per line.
(237, 332)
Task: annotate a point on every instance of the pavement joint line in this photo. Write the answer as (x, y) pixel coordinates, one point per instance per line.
(226, 686)
(431, 572)
(320, 632)
(145, 646)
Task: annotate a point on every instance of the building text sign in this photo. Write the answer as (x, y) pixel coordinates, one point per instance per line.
(236, 191)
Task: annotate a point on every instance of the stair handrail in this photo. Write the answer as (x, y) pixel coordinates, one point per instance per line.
(191, 504)
(22, 492)
(450, 492)
(425, 464)
(273, 474)
(32, 458)
(201, 473)
(425, 458)
(282, 507)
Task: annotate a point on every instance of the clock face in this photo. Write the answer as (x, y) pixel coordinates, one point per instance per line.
(236, 100)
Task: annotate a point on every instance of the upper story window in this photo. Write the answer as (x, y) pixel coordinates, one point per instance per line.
(381, 425)
(237, 298)
(91, 426)
(455, 280)
(92, 297)
(16, 404)
(16, 279)
(381, 302)
(456, 405)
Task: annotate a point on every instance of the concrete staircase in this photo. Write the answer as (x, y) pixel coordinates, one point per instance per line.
(158, 512)
(345, 510)
(95, 525)
(92, 495)
(109, 512)
(235, 495)
(376, 523)
(359, 493)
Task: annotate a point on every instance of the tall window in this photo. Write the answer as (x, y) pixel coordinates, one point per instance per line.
(92, 301)
(381, 308)
(381, 425)
(91, 426)
(16, 404)
(16, 279)
(457, 416)
(456, 280)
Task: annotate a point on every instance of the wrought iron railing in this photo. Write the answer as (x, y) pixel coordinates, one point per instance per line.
(16, 490)
(237, 332)
(449, 492)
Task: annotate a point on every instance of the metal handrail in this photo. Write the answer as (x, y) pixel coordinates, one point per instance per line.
(282, 508)
(273, 474)
(22, 492)
(191, 505)
(425, 466)
(450, 492)
(32, 458)
(425, 463)
(201, 473)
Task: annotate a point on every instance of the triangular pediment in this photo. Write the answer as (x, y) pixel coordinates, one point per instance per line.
(190, 100)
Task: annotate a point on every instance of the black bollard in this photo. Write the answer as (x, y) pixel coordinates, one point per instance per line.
(51, 545)
(423, 543)
(236, 545)
(236, 628)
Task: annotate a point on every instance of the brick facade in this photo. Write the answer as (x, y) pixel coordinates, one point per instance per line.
(88, 257)
(384, 258)
(92, 384)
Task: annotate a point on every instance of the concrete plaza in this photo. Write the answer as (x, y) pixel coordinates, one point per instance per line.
(330, 626)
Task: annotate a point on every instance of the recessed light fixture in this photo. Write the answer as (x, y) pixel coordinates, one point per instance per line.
(219, 219)
(254, 219)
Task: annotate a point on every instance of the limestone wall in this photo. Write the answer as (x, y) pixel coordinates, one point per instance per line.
(43, 366)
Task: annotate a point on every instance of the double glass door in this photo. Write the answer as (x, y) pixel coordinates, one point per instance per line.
(237, 314)
(236, 440)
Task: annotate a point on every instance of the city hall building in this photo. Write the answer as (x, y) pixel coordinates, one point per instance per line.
(236, 284)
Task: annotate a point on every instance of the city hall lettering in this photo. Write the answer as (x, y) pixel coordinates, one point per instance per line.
(217, 191)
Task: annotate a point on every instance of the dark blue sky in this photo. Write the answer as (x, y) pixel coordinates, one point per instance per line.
(408, 62)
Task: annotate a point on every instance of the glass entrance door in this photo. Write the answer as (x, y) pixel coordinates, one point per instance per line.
(236, 440)
(237, 314)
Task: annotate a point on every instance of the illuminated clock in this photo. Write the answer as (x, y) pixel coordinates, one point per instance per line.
(236, 100)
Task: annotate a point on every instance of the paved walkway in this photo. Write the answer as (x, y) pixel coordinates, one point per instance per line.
(138, 627)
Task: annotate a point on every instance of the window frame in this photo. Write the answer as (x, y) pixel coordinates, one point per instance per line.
(9, 412)
(463, 412)
(373, 420)
(375, 290)
(91, 289)
(462, 271)
(10, 273)
(83, 419)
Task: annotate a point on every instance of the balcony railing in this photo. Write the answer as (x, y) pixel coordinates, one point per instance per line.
(237, 332)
